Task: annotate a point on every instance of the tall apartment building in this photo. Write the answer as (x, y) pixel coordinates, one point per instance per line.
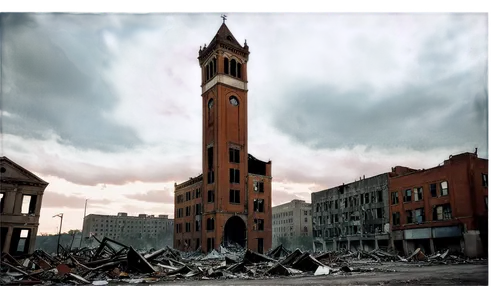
(21, 195)
(291, 221)
(231, 201)
(123, 227)
(442, 207)
(352, 216)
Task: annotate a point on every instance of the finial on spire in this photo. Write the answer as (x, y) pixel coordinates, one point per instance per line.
(223, 16)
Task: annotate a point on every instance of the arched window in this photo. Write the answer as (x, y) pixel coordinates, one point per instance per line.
(226, 65)
(215, 66)
(232, 66)
(211, 69)
(238, 70)
(206, 73)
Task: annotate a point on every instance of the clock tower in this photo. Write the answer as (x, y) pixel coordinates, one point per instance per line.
(225, 157)
(235, 187)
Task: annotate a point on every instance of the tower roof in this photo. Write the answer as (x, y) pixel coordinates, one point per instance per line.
(224, 39)
(224, 35)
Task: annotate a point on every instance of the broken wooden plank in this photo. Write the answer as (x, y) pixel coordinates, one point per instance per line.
(137, 262)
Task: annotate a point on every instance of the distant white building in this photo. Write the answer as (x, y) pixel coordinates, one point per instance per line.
(121, 227)
(291, 220)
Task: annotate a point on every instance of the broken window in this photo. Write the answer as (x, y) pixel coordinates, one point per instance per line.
(210, 224)
(394, 198)
(210, 177)
(180, 198)
(379, 213)
(211, 196)
(28, 204)
(179, 212)
(234, 176)
(379, 196)
(305, 228)
(234, 196)
(234, 155)
(433, 190)
(418, 193)
(232, 67)
(258, 186)
(444, 188)
(188, 196)
(178, 227)
(336, 218)
(1, 202)
(485, 180)
(407, 196)
(210, 244)
(367, 198)
(210, 153)
(317, 208)
(258, 205)
(188, 227)
(345, 203)
(409, 216)
(336, 204)
(198, 193)
(395, 218)
(442, 212)
(419, 215)
(188, 210)
(259, 224)
(198, 209)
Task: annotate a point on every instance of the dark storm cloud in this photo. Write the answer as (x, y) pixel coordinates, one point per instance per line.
(49, 89)
(441, 103)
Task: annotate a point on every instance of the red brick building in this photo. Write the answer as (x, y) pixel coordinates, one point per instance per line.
(442, 207)
(231, 201)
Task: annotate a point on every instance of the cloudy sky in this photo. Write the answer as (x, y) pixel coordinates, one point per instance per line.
(107, 107)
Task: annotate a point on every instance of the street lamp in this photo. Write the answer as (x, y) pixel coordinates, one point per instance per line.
(60, 226)
(83, 223)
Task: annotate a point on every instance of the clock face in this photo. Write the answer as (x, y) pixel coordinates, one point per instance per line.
(233, 100)
(210, 103)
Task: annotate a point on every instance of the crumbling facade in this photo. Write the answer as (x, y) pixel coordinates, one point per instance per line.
(442, 207)
(21, 195)
(352, 216)
(230, 202)
(123, 227)
(291, 221)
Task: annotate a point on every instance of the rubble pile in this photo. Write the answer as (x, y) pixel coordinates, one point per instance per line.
(112, 261)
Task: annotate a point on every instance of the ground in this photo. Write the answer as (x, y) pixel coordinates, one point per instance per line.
(387, 274)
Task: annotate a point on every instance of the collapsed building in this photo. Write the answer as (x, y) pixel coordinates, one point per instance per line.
(230, 202)
(445, 207)
(352, 216)
(21, 195)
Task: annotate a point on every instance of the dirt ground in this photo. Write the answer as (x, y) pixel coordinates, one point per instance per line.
(388, 274)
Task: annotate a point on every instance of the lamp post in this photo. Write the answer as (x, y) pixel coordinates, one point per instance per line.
(59, 236)
(83, 223)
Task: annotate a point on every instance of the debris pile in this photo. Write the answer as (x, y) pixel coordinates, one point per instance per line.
(112, 261)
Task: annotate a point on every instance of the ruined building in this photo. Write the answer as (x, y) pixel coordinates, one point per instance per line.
(20, 202)
(157, 231)
(230, 202)
(352, 216)
(292, 222)
(445, 207)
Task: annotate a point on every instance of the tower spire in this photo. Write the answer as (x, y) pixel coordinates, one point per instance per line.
(223, 16)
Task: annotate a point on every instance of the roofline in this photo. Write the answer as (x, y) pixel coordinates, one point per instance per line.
(4, 158)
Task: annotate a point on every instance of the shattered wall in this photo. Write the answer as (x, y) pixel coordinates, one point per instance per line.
(21, 195)
(355, 212)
